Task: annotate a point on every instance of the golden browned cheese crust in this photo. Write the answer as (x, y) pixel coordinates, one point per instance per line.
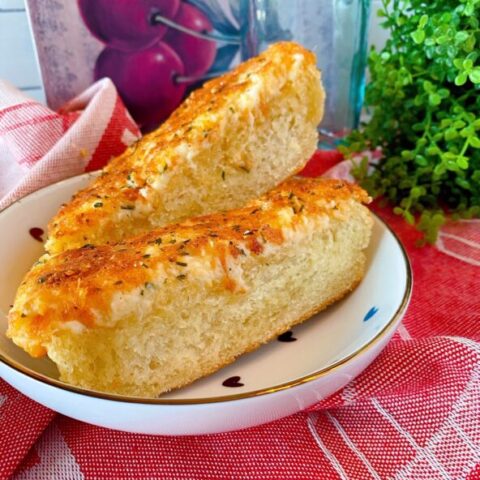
(126, 183)
(79, 284)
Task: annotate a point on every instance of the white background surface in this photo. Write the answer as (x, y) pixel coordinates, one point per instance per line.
(17, 58)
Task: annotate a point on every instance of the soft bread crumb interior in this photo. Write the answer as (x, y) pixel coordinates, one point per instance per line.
(187, 330)
(252, 155)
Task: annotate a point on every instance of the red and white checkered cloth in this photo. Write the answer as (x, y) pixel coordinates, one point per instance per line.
(413, 414)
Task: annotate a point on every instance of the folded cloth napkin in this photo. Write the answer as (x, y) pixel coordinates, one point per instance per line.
(413, 414)
(39, 146)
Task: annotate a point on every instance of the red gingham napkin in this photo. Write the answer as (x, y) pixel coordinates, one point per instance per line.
(413, 414)
(39, 146)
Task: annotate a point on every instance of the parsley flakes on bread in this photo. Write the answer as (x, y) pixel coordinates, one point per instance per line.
(160, 310)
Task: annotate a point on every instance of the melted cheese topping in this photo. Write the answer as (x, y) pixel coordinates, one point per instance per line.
(97, 286)
(134, 179)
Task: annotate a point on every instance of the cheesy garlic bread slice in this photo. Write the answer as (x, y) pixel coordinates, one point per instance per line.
(232, 140)
(160, 310)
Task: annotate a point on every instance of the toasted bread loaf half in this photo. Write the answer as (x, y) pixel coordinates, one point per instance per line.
(161, 310)
(231, 141)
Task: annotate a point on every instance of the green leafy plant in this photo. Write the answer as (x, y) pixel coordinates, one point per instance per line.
(424, 96)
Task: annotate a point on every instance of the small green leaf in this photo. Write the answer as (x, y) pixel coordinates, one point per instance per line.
(469, 45)
(469, 10)
(467, 64)
(449, 156)
(452, 166)
(417, 192)
(439, 170)
(421, 160)
(470, 117)
(461, 79)
(461, 182)
(474, 75)
(434, 99)
(423, 21)
(461, 36)
(474, 142)
(473, 22)
(418, 100)
(409, 217)
(418, 36)
(462, 162)
(398, 211)
(443, 39)
(431, 151)
(444, 93)
(428, 86)
(473, 56)
(446, 17)
(450, 134)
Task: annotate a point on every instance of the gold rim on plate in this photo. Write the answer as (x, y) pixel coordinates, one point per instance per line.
(9, 362)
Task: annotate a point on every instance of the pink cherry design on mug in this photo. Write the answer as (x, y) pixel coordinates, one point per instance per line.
(197, 54)
(145, 79)
(126, 24)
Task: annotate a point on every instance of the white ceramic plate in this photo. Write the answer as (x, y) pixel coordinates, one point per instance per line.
(285, 376)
